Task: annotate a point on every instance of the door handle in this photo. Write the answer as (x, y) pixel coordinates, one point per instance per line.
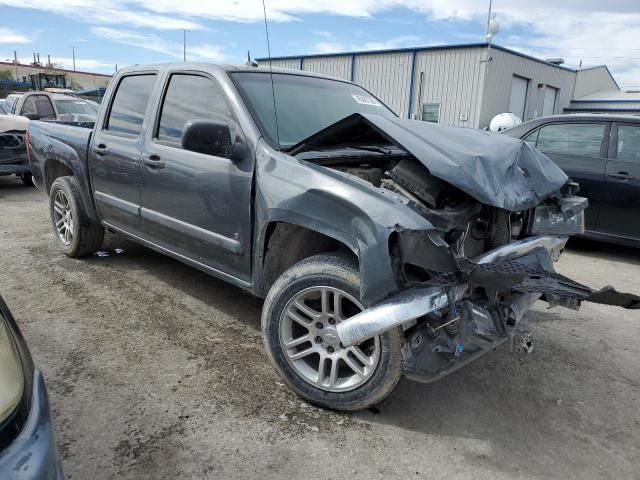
(621, 176)
(153, 161)
(100, 149)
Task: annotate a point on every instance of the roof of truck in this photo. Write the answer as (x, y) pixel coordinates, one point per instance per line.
(223, 67)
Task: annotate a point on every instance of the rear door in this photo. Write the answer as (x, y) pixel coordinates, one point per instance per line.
(194, 204)
(580, 150)
(621, 191)
(115, 152)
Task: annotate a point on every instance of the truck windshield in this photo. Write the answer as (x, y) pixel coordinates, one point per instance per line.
(74, 107)
(305, 105)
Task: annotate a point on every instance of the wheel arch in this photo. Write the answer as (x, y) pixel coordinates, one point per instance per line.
(283, 244)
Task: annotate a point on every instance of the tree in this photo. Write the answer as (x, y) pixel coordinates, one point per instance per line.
(6, 75)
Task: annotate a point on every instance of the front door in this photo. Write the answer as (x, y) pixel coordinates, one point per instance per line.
(197, 205)
(580, 150)
(115, 153)
(621, 198)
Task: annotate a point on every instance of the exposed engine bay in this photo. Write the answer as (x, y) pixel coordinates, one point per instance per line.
(465, 284)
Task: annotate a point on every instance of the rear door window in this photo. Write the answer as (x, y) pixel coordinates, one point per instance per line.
(628, 145)
(130, 104)
(583, 139)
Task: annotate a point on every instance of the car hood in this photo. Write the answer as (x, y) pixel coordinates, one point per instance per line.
(496, 170)
(9, 123)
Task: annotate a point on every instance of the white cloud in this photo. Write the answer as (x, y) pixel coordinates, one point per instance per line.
(109, 12)
(333, 45)
(574, 29)
(9, 36)
(153, 43)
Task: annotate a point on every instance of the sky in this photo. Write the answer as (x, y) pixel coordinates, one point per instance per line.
(125, 32)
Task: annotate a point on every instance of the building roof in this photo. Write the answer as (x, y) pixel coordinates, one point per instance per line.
(611, 96)
(420, 49)
(53, 70)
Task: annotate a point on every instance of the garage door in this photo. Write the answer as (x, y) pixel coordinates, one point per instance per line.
(518, 100)
(549, 105)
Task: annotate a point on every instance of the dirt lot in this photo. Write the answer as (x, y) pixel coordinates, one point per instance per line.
(156, 370)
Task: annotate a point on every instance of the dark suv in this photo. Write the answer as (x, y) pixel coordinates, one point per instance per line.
(602, 153)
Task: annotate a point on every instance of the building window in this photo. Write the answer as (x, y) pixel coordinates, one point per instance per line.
(431, 112)
(518, 98)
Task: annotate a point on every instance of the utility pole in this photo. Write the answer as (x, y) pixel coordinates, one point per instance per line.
(15, 63)
(184, 45)
(73, 49)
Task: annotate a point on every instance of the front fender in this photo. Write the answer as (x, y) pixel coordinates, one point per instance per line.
(337, 205)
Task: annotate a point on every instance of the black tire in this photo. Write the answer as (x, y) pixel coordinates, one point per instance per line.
(87, 235)
(341, 272)
(27, 180)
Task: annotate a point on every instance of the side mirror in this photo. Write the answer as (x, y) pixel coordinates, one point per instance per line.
(210, 138)
(32, 116)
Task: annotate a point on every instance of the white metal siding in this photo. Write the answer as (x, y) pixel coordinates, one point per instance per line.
(593, 80)
(386, 76)
(292, 63)
(498, 85)
(334, 66)
(453, 78)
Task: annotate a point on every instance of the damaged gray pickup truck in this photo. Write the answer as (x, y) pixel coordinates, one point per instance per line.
(383, 246)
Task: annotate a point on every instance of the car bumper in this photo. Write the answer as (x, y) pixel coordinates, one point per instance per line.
(33, 454)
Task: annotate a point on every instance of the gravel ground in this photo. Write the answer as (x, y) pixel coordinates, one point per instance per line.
(156, 370)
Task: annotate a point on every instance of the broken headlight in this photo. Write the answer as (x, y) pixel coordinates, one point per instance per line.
(549, 219)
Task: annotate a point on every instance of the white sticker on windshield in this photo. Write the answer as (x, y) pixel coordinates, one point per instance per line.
(366, 100)
(79, 102)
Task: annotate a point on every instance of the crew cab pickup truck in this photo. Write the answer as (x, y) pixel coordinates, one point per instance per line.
(382, 246)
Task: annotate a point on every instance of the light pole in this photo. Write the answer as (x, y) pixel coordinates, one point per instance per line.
(73, 49)
(15, 62)
(184, 45)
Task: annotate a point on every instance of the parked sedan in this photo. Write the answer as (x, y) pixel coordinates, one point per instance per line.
(27, 447)
(13, 150)
(601, 153)
(55, 106)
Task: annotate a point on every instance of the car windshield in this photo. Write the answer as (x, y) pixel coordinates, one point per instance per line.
(2, 112)
(304, 105)
(74, 106)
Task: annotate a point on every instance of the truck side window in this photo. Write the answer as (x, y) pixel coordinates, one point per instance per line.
(129, 105)
(190, 97)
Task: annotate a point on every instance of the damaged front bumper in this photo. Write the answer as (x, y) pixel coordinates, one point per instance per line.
(448, 326)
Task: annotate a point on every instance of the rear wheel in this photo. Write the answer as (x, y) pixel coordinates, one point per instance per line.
(299, 322)
(76, 234)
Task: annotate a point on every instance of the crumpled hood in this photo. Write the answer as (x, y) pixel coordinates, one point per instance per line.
(495, 169)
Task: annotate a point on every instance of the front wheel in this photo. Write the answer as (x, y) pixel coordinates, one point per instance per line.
(299, 321)
(77, 235)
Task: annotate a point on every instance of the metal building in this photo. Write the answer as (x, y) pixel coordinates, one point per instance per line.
(464, 85)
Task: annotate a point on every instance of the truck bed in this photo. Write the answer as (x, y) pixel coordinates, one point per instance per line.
(54, 145)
